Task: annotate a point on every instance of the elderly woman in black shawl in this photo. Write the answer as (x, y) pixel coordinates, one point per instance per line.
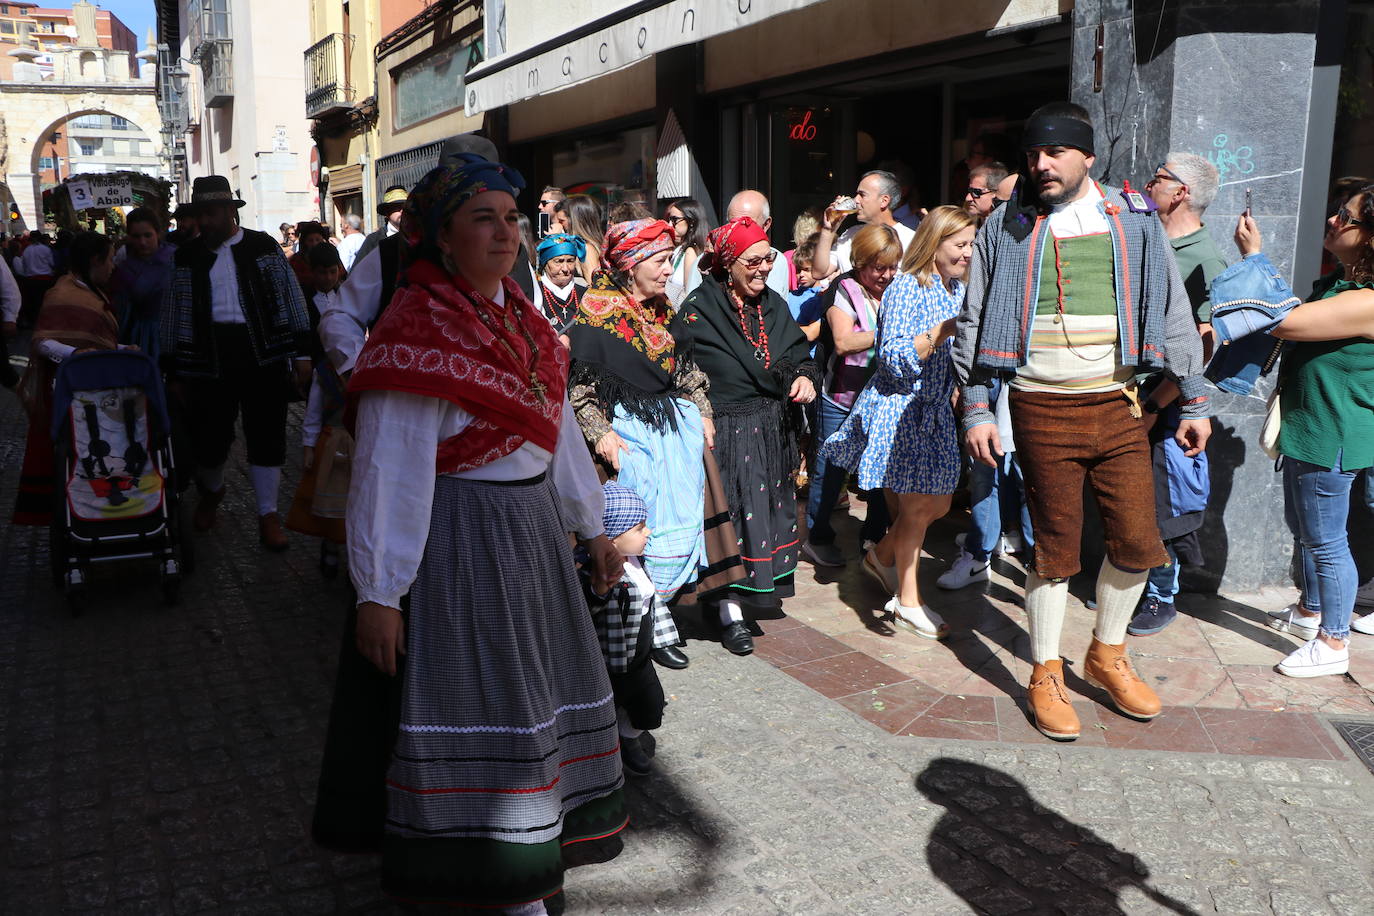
(759, 364)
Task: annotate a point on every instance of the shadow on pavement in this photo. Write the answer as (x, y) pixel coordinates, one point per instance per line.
(1001, 851)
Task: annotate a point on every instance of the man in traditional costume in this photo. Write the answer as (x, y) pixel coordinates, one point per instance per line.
(1073, 290)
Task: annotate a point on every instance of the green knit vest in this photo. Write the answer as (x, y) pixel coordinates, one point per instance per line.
(1080, 270)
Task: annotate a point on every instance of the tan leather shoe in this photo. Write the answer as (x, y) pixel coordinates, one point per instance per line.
(1049, 704)
(1108, 667)
(203, 519)
(270, 532)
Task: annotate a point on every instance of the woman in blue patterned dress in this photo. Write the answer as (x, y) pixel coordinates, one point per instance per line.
(901, 434)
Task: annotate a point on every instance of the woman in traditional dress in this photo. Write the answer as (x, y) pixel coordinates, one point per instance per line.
(76, 316)
(560, 280)
(140, 279)
(469, 470)
(901, 434)
(643, 408)
(758, 362)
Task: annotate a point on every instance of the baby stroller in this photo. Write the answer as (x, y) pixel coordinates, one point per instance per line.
(116, 493)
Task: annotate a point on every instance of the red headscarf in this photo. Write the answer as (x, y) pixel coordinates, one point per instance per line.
(631, 242)
(733, 239)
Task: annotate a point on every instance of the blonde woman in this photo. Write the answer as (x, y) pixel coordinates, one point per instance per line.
(901, 434)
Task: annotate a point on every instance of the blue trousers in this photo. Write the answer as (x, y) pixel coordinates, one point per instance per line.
(995, 498)
(1317, 507)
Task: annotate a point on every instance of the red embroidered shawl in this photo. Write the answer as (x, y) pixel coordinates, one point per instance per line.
(431, 341)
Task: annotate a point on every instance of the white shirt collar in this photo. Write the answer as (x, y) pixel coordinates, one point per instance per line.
(390, 229)
(562, 292)
(232, 240)
(1088, 201)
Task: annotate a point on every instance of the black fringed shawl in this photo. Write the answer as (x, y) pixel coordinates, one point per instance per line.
(630, 362)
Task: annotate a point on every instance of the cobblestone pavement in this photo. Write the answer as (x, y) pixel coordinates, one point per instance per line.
(162, 759)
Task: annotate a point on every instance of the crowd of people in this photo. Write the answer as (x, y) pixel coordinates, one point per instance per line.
(531, 450)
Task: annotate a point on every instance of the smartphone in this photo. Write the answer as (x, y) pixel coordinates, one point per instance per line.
(1247, 202)
(546, 223)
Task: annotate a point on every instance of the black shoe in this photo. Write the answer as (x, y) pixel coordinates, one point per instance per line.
(737, 639)
(633, 758)
(670, 657)
(1151, 616)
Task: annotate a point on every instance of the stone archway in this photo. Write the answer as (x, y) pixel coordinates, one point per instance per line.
(32, 112)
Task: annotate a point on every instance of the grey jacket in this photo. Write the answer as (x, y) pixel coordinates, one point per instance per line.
(1154, 313)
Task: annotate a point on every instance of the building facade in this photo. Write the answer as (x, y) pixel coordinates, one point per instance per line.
(232, 105)
(799, 97)
(86, 103)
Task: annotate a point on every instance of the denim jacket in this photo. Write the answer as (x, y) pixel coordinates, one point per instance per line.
(1249, 299)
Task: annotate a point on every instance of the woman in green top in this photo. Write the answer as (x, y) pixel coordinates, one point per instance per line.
(1327, 436)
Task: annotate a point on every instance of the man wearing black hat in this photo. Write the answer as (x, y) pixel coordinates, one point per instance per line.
(233, 321)
(188, 226)
(1072, 292)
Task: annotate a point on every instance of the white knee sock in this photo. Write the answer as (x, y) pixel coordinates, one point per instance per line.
(211, 479)
(1118, 592)
(730, 612)
(265, 483)
(1045, 605)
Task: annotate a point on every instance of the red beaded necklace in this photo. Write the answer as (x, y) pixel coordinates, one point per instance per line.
(760, 345)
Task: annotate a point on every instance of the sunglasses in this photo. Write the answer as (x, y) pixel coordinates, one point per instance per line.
(977, 193)
(1345, 219)
(547, 203)
(674, 220)
(1167, 176)
(756, 263)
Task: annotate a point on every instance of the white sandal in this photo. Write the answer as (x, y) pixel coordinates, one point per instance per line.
(919, 620)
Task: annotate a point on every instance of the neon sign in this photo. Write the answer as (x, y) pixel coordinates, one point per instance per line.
(803, 130)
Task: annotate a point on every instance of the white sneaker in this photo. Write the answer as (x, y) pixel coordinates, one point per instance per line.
(1012, 542)
(1364, 595)
(966, 571)
(919, 620)
(1314, 659)
(1002, 546)
(1294, 621)
(1363, 624)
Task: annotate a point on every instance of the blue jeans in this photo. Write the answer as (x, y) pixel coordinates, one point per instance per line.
(827, 483)
(1317, 506)
(994, 497)
(1162, 585)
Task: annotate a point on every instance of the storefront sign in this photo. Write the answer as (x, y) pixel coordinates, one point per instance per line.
(91, 193)
(432, 85)
(802, 130)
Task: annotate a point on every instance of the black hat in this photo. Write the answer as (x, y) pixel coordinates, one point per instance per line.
(213, 189)
(185, 210)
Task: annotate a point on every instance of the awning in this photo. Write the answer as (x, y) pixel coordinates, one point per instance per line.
(632, 33)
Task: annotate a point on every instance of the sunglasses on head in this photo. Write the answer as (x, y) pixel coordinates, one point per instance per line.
(977, 193)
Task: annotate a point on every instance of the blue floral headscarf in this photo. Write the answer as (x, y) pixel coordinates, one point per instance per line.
(446, 188)
(559, 244)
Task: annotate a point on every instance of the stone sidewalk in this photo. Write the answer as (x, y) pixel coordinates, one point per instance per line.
(1213, 667)
(163, 760)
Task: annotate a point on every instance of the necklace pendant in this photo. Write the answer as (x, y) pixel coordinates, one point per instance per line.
(759, 354)
(1057, 319)
(538, 388)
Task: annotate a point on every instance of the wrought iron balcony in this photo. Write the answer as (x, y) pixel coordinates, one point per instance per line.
(328, 88)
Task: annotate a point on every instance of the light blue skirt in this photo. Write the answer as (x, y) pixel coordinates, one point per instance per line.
(666, 470)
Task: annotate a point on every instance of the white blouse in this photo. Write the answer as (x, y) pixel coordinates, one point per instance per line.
(392, 488)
